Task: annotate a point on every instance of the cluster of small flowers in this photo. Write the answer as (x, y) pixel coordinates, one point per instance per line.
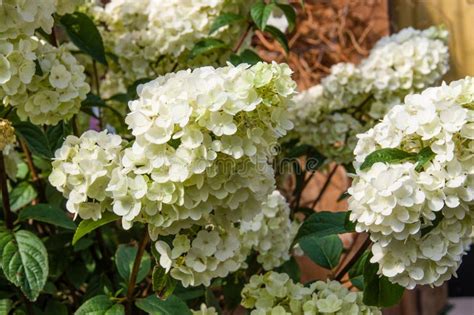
(44, 83)
(149, 40)
(276, 293)
(23, 17)
(81, 171)
(352, 98)
(199, 165)
(271, 232)
(402, 205)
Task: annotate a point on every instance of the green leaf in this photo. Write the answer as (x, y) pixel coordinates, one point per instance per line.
(5, 306)
(48, 214)
(56, 135)
(206, 45)
(25, 263)
(87, 226)
(35, 138)
(278, 36)
(124, 259)
(22, 195)
(320, 224)
(260, 12)
(55, 307)
(424, 156)
(225, 19)
(289, 13)
(356, 273)
(379, 291)
(163, 284)
(247, 56)
(100, 305)
(324, 251)
(171, 306)
(387, 155)
(38, 70)
(85, 35)
(348, 224)
(93, 100)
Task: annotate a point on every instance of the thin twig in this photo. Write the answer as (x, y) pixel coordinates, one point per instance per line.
(135, 269)
(242, 39)
(354, 258)
(34, 174)
(5, 196)
(97, 90)
(325, 186)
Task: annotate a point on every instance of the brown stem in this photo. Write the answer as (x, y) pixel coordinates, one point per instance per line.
(5, 197)
(97, 89)
(354, 258)
(75, 129)
(34, 174)
(242, 39)
(325, 186)
(135, 268)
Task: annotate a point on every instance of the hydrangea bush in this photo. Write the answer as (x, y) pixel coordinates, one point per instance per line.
(144, 152)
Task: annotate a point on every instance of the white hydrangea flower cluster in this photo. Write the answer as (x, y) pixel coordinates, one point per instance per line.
(23, 17)
(353, 97)
(44, 83)
(149, 40)
(420, 220)
(276, 293)
(81, 171)
(198, 167)
(271, 232)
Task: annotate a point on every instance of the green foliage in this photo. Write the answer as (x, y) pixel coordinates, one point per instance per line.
(21, 195)
(289, 13)
(35, 138)
(424, 156)
(206, 45)
(155, 306)
(163, 284)
(387, 155)
(5, 306)
(24, 261)
(247, 56)
(87, 226)
(321, 224)
(325, 251)
(260, 12)
(48, 214)
(85, 35)
(224, 20)
(356, 273)
(378, 290)
(124, 259)
(100, 305)
(278, 36)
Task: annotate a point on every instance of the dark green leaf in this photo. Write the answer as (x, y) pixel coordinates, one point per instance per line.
(100, 305)
(356, 273)
(56, 135)
(379, 291)
(87, 226)
(424, 156)
(225, 19)
(22, 195)
(289, 13)
(278, 36)
(206, 45)
(48, 214)
(163, 284)
(171, 306)
(35, 138)
(321, 224)
(231, 289)
(38, 70)
(210, 298)
(260, 12)
(348, 224)
(25, 262)
(343, 196)
(85, 35)
(93, 100)
(250, 57)
(124, 259)
(324, 251)
(55, 307)
(387, 155)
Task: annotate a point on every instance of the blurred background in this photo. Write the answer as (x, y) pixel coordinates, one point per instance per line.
(333, 31)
